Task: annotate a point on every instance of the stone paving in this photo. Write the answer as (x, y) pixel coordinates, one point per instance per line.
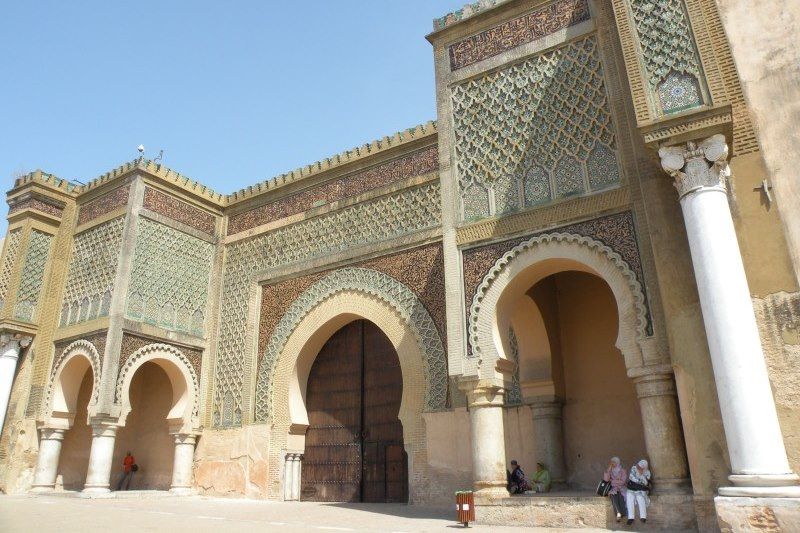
(144, 512)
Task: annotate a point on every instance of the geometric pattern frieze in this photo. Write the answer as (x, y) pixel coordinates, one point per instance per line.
(521, 30)
(533, 132)
(670, 57)
(169, 278)
(32, 278)
(103, 204)
(178, 210)
(90, 279)
(373, 221)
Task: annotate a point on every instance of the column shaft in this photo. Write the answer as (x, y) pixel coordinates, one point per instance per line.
(44, 478)
(182, 464)
(548, 433)
(296, 473)
(662, 430)
(488, 441)
(100, 457)
(9, 355)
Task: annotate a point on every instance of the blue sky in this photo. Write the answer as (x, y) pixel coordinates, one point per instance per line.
(233, 92)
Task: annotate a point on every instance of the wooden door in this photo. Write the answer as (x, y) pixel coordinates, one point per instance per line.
(384, 478)
(331, 469)
(354, 443)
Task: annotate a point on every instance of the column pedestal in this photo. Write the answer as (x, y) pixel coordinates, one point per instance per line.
(488, 441)
(100, 458)
(548, 433)
(755, 443)
(663, 437)
(182, 464)
(44, 478)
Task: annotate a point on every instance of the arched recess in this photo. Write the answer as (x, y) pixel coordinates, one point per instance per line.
(397, 298)
(68, 372)
(299, 351)
(183, 416)
(530, 262)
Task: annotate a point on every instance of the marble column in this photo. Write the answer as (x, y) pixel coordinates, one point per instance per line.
(44, 478)
(548, 434)
(663, 437)
(183, 463)
(100, 457)
(296, 476)
(10, 347)
(755, 444)
(488, 440)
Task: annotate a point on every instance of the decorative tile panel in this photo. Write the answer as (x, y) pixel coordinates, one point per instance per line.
(178, 210)
(670, 58)
(408, 166)
(514, 394)
(169, 278)
(543, 124)
(103, 204)
(38, 205)
(12, 249)
(377, 220)
(616, 231)
(521, 30)
(90, 280)
(132, 343)
(32, 278)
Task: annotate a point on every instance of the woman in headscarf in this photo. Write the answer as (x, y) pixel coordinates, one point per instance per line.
(618, 477)
(517, 480)
(541, 479)
(638, 486)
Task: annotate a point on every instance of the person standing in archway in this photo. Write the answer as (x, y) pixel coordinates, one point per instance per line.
(128, 468)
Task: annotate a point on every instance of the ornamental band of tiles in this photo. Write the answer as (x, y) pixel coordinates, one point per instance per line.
(549, 114)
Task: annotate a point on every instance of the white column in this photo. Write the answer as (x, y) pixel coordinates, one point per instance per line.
(288, 475)
(183, 463)
(297, 464)
(548, 434)
(44, 478)
(10, 346)
(488, 441)
(755, 444)
(100, 457)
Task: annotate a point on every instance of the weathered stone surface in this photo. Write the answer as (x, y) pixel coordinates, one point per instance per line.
(771, 515)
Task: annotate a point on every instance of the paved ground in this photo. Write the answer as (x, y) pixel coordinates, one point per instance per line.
(197, 514)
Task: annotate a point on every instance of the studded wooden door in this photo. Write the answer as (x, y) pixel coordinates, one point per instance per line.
(354, 443)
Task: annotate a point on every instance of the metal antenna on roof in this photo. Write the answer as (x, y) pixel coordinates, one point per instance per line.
(160, 157)
(141, 151)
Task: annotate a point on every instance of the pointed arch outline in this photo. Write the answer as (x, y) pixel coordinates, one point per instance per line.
(78, 348)
(371, 282)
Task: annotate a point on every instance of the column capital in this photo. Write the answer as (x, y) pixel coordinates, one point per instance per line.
(103, 427)
(48, 433)
(15, 341)
(185, 438)
(697, 165)
(485, 396)
(655, 384)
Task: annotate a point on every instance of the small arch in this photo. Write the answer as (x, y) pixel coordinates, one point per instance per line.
(535, 259)
(184, 413)
(69, 369)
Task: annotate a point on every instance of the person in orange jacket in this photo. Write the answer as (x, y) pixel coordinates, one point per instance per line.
(128, 468)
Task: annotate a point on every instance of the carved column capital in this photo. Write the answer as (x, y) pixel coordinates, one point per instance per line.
(697, 165)
(486, 396)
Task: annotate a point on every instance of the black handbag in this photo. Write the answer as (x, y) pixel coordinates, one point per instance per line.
(632, 485)
(603, 488)
(134, 467)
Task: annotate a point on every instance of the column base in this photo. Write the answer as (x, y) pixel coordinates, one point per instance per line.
(761, 492)
(763, 486)
(486, 491)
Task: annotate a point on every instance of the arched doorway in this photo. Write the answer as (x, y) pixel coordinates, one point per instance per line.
(72, 397)
(354, 443)
(146, 433)
(568, 360)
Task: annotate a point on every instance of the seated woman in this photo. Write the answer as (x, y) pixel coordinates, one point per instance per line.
(638, 488)
(517, 481)
(541, 479)
(618, 477)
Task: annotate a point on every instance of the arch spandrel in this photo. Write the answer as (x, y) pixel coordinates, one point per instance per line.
(184, 413)
(399, 298)
(533, 260)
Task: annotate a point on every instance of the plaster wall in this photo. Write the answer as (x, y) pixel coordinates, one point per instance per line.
(233, 462)
(449, 447)
(146, 432)
(74, 460)
(520, 445)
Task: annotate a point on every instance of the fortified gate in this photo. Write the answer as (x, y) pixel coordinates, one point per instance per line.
(583, 257)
